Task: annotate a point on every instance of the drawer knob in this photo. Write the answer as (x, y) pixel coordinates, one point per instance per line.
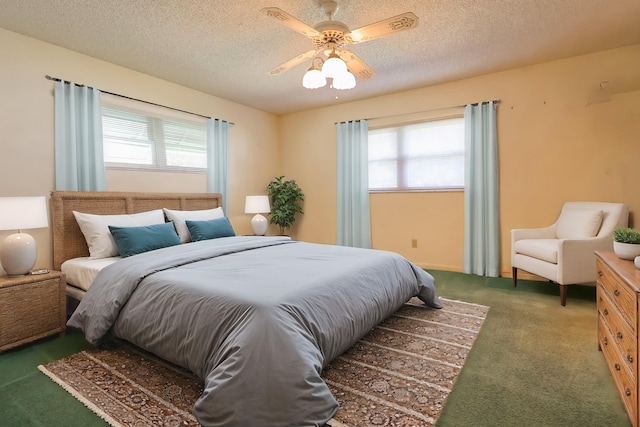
(599, 273)
(616, 293)
(617, 366)
(619, 335)
(606, 312)
(627, 392)
(630, 358)
(605, 341)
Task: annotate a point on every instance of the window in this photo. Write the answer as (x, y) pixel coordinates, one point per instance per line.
(423, 156)
(143, 140)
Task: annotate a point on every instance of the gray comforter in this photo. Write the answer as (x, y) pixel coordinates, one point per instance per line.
(257, 318)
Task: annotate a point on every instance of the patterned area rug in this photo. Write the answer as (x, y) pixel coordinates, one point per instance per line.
(399, 374)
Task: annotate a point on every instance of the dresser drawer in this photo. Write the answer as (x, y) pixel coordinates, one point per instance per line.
(624, 379)
(619, 329)
(621, 294)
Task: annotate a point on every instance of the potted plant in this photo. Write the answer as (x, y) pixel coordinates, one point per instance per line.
(626, 243)
(286, 196)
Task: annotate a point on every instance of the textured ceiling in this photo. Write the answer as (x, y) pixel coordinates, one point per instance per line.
(225, 48)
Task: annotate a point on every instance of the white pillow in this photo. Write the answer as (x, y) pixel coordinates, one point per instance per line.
(96, 229)
(179, 218)
(578, 223)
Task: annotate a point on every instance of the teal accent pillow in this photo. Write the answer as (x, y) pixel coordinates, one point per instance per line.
(211, 229)
(136, 240)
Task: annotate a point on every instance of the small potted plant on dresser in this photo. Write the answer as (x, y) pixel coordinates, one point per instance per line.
(626, 243)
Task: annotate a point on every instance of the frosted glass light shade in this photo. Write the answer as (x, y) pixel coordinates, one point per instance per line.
(19, 250)
(334, 66)
(344, 81)
(313, 79)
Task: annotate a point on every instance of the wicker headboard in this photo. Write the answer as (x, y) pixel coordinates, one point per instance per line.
(68, 240)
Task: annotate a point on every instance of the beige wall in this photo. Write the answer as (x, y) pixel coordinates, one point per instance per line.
(27, 129)
(552, 148)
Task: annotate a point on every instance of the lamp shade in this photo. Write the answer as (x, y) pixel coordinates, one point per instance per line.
(21, 213)
(19, 250)
(257, 204)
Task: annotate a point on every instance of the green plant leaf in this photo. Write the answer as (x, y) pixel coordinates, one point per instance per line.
(286, 197)
(626, 235)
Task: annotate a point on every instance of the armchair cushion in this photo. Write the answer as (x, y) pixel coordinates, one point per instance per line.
(543, 249)
(578, 223)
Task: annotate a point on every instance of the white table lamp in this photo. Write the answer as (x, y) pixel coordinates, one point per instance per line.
(19, 251)
(258, 205)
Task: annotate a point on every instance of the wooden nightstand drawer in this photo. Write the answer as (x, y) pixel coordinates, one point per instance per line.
(31, 307)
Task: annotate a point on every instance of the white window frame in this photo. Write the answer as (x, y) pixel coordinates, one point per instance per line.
(156, 118)
(402, 159)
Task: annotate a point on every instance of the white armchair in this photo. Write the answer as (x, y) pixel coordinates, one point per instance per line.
(564, 251)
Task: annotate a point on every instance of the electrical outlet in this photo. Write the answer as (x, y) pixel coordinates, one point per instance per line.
(414, 243)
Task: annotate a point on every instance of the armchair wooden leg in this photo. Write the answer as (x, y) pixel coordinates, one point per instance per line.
(563, 294)
(514, 275)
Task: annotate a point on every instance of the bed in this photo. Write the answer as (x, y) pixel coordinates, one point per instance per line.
(257, 318)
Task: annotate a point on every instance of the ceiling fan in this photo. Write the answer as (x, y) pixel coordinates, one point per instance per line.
(330, 37)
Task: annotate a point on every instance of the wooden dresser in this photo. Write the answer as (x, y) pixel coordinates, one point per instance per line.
(618, 294)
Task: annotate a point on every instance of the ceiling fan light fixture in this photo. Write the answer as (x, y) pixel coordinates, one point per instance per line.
(344, 81)
(334, 66)
(313, 79)
(330, 36)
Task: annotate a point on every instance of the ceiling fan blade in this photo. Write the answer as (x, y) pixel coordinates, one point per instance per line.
(295, 24)
(293, 62)
(405, 21)
(356, 65)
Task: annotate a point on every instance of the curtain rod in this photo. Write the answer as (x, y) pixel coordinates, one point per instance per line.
(495, 101)
(136, 99)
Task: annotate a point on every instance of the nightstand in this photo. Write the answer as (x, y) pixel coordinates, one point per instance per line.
(31, 307)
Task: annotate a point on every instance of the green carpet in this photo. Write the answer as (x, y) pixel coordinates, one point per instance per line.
(29, 398)
(535, 363)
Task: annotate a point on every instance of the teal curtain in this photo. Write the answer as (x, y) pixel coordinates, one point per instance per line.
(218, 159)
(353, 217)
(79, 158)
(481, 215)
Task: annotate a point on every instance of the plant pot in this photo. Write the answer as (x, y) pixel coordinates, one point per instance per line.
(626, 250)
(637, 262)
